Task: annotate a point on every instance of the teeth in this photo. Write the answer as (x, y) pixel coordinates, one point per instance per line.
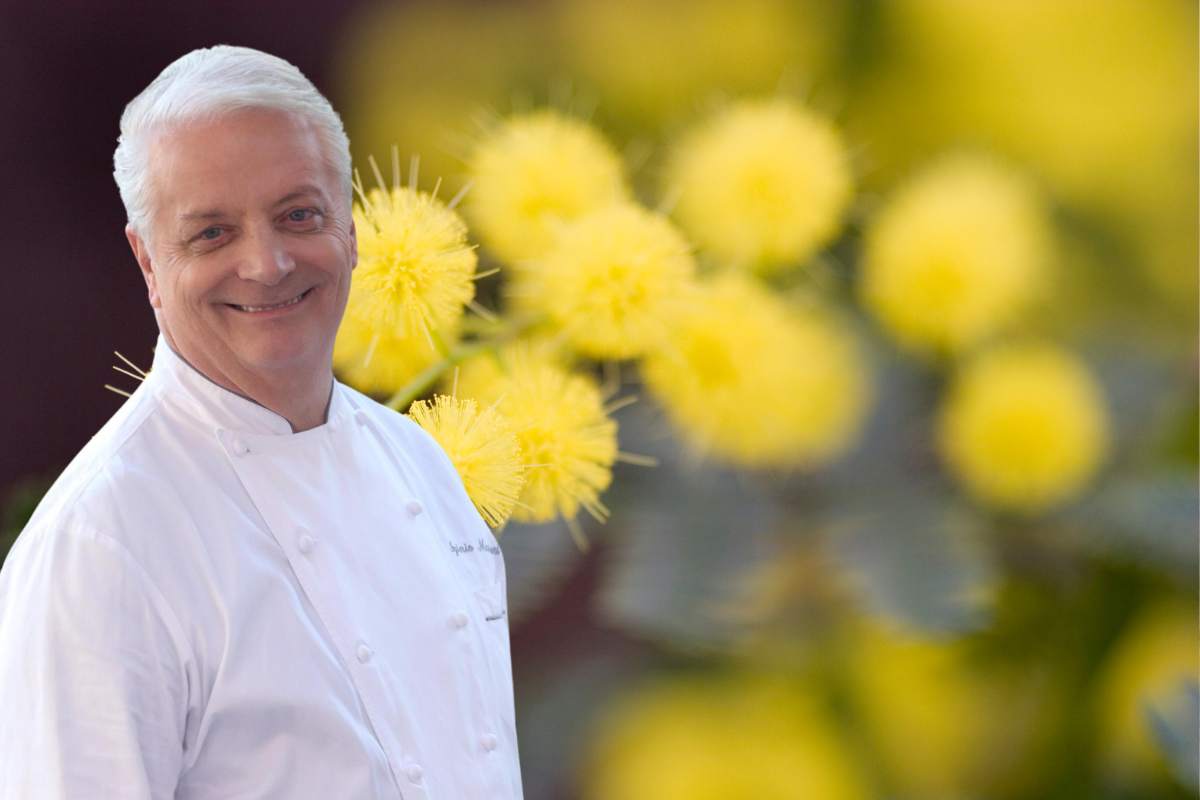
(291, 302)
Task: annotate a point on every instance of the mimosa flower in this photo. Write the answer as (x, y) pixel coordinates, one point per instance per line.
(955, 255)
(415, 269)
(535, 170)
(568, 443)
(757, 382)
(483, 448)
(610, 280)
(377, 361)
(480, 375)
(921, 706)
(739, 737)
(1155, 658)
(763, 185)
(1024, 427)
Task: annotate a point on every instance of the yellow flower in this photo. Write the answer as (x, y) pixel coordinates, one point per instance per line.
(744, 737)
(567, 442)
(533, 171)
(609, 281)
(480, 375)
(483, 449)
(1024, 427)
(377, 361)
(415, 269)
(1150, 663)
(922, 708)
(757, 382)
(1109, 121)
(763, 185)
(955, 255)
(653, 63)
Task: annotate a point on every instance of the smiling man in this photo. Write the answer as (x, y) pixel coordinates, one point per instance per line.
(246, 584)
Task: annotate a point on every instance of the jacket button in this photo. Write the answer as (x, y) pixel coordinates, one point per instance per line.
(414, 772)
(413, 507)
(458, 619)
(305, 544)
(364, 654)
(360, 416)
(488, 740)
(239, 447)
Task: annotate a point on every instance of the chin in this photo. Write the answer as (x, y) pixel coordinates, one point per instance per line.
(281, 353)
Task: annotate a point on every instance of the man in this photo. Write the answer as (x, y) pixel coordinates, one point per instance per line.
(246, 585)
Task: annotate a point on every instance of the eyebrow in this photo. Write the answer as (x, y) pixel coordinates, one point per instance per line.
(300, 191)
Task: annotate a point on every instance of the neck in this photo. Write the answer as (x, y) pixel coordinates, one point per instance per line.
(302, 401)
(300, 398)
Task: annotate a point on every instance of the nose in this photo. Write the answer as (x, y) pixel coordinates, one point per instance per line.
(266, 260)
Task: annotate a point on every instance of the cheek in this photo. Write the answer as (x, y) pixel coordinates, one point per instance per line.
(195, 289)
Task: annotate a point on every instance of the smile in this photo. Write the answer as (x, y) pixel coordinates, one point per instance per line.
(261, 309)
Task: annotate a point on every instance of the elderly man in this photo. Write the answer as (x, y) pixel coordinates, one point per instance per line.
(247, 583)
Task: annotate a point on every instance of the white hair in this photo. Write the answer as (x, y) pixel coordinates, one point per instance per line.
(203, 84)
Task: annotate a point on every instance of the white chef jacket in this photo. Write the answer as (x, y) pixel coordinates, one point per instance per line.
(207, 605)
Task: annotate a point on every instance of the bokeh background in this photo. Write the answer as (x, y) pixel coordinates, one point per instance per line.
(884, 620)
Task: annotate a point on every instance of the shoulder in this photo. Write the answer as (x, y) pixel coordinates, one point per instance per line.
(121, 483)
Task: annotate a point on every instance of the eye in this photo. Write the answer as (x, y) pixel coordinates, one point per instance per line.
(302, 215)
(209, 234)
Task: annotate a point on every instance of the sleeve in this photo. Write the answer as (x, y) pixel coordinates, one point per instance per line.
(93, 686)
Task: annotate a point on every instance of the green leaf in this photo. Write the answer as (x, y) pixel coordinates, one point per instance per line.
(918, 558)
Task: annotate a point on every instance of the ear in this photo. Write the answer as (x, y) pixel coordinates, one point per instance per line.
(141, 252)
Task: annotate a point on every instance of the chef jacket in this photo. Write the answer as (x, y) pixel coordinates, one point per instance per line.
(208, 605)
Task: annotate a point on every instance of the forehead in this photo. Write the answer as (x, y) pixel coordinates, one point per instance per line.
(235, 162)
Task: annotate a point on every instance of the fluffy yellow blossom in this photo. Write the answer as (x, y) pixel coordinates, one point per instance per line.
(1024, 427)
(533, 171)
(654, 63)
(1108, 121)
(483, 448)
(758, 382)
(1150, 664)
(377, 361)
(610, 280)
(744, 737)
(955, 254)
(921, 706)
(480, 375)
(567, 441)
(415, 269)
(763, 185)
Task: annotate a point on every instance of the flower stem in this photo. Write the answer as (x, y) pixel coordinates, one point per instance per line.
(420, 384)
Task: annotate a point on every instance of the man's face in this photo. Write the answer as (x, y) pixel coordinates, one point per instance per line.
(246, 215)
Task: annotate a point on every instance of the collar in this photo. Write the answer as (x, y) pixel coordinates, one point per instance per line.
(179, 382)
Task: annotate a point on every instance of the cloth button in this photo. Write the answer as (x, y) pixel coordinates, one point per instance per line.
(364, 654)
(414, 507)
(414, 772)
(240, 447)
(360, 416)
(458, 619)
(488, 740)
(305, 544)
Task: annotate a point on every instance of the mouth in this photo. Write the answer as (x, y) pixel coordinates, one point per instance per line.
(275, 307)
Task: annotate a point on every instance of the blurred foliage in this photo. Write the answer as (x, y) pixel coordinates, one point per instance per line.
(963, 597)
